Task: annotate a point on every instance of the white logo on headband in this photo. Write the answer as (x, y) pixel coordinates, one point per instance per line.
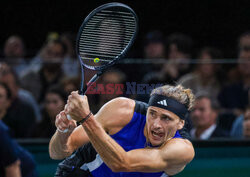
(163, 102)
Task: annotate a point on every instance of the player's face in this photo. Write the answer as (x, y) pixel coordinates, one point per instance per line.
(161, 125)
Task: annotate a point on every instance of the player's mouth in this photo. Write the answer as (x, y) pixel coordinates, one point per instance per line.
(156, 135)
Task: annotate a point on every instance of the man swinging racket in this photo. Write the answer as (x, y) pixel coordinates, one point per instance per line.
(130, 138)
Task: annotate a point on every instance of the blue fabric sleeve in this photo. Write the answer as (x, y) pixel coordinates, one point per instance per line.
(8, 153)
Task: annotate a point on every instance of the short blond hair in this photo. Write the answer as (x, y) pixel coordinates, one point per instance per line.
(179, 93)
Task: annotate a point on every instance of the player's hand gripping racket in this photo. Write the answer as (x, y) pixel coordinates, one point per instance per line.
(104, 37)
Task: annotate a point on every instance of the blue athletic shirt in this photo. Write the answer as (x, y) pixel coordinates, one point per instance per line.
(129, 137)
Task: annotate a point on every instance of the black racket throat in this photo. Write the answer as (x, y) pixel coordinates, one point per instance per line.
(91, 81)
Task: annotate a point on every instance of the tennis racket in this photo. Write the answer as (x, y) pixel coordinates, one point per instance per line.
(104, 38)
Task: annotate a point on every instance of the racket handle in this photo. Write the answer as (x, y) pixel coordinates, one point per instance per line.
(69, 117)
(63, 131)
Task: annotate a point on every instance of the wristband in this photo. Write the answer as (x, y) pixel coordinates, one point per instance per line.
(85, 118)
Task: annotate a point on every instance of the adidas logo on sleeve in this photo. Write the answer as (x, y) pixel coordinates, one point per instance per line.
(163, 102)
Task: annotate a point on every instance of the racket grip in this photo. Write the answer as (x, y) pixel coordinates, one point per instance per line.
(65, 130)
(69, 117)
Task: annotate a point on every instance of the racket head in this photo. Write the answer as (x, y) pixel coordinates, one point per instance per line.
(106, 35)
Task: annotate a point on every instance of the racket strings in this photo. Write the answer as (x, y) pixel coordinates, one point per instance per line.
(93, 54)
(86, 44)
(102, 36)
(117, 12)
(114, 51)
(105, 36)
(93, 23)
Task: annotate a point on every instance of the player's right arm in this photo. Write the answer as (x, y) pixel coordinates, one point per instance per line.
(113, 116)
(64, 144)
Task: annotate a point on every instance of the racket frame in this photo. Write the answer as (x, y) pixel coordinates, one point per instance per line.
(101, 69)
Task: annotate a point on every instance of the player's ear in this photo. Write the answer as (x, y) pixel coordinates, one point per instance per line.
(181, 124)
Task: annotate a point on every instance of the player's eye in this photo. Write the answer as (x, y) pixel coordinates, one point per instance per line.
(166, 118)
(152, 113)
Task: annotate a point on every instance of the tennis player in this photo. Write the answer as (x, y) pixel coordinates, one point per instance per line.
(131, 138)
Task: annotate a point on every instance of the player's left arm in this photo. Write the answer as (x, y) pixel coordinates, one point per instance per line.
(172, 158)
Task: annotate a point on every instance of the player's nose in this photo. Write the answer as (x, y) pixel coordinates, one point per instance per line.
(156, 123)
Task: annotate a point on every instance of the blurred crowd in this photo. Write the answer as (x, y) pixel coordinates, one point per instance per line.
(34, 90)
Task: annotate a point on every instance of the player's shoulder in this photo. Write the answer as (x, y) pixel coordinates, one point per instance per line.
(122, 107)
(129, 104)
(122, 102)
(116, 113)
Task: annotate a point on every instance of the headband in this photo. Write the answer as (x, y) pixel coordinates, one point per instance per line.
(169, 104)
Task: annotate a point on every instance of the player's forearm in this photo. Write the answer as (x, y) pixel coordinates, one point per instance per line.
(58, 147)
(111, 153)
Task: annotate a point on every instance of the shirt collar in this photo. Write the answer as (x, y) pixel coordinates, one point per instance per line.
(205, 135)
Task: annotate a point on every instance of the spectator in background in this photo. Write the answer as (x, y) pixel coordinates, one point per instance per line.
(204, 119)
(179, 47)
(109, 77)
(50, 73)
(8, 76)
(19, 117)
(19, 114)
(154, 47)
(70, 84)
(241, 125)
(70, 64)
(14, 53)
(204, 77)
(244, 42)
(179, 52)
(14, 161)
(55, 99)
(36, 62)
(5, 99)
(235, 97)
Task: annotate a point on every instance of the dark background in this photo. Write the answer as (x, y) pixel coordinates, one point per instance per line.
(215, 23)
